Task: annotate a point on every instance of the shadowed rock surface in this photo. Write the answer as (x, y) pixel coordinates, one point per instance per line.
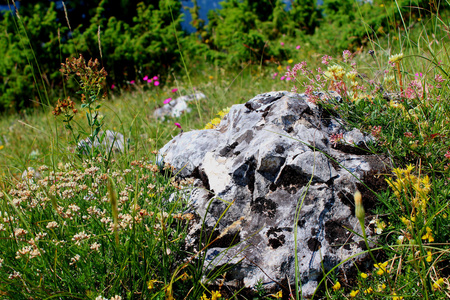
(268, 159)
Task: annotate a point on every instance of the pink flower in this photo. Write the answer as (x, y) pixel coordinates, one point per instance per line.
(174, 90)
(298, 47)
(155, 77)
(145, 78)
(447, 155)
(418, 75)
(282, 77)
(282, 44)
(178, 125)
(346, 55)
(274, 75)
(288, 78)
(167, 100)
(156, 83)
(326, 59)
(149, 80)
(113, 86)
(132, 82)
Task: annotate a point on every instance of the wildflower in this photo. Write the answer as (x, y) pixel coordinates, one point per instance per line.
(211, 77)
(145, 78)
(274, 75)
(290, 61)
(280, 68)
(155, 78)
(429, 257)
(336, 286)
(282, 77)
(381, 287)
(112, 86)
(278, 295)
(101, 298)
(368, 291)
(447, 155)
(215, 295)
(395, 297)
(418, 75)
(282, 44)
(364, 275)
(95, 246)
(354, 293)
(437, 284)
(151, 284)
(335, 138)
(167, 100)
(428, 236)
(298, 47)
(381, 268)
(346, 55)
(174, 90)
(149, 80)
(132, 82)
(326, 59)
(74, 259)
(156, 83)
(116, 297)
(396, 58)
(178, 125)
(351, 75)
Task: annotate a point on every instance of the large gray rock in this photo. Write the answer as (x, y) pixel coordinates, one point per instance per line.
(268, 159)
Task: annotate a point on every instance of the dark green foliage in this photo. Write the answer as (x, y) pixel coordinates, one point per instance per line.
(35, 44)
(140, 37)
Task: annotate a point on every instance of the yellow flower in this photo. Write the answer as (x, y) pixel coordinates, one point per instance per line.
(278, 295)
(215, 295)
(204, 297)
(215, 121)
(211, 77)
(354, 293)
(369, 291)
(336, 286)
(381, 268)
(429, 257)
(396, 58)
(428, 235)
(381, 287)
(290, 61)
(151, 284)
(395, 297)
(280, 68)
(1, 147)
(364, 275)
(437, 284)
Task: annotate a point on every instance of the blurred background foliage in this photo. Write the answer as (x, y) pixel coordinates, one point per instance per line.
(146, 37)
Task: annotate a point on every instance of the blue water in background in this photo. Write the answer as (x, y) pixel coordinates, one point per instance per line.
(205, 6)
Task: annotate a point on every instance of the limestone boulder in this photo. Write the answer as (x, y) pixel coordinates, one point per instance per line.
(272, 181)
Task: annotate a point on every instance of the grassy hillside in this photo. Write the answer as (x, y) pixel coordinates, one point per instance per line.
(99, 226)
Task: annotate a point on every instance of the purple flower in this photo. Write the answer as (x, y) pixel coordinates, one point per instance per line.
(167, 100)
(282, 77)
(274, 75)
(298, 47)
(174, 90)
(149, 80)
(113, 86)
(145, 78)
(155, 77)
(419, 74)
(156, 83)
(132, 82)
(282, 44)
(178, 125)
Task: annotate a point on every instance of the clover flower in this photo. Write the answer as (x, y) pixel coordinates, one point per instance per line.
(336, 286)
(395, 58)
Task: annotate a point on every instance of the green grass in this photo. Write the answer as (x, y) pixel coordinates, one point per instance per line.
(101, 227)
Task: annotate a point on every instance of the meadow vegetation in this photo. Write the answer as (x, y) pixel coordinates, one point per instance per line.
(101, 225)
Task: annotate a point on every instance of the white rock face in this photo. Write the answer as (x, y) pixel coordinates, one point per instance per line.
(266, 157)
